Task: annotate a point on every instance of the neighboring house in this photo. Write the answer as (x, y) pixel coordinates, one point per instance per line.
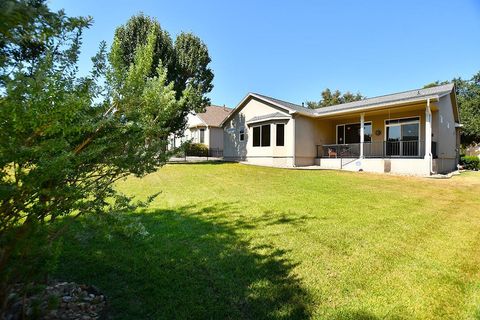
(414, 132)
(205, 128)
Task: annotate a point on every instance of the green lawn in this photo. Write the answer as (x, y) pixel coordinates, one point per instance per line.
(230, 241)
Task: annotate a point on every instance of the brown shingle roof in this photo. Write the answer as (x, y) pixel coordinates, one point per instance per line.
(214, 115)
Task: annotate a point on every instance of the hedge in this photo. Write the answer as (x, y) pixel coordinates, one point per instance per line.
(197, 150)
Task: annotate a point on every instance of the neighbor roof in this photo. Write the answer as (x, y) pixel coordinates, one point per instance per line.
(214, 115)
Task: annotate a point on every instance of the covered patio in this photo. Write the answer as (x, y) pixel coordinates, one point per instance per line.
(403, 131)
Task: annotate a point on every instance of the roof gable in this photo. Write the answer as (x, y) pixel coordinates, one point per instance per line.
(281, 105)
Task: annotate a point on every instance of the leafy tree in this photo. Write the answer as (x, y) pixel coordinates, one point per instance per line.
(134, 33)
(185, 60)
(468, 99)
(65, 139)
(330, 99)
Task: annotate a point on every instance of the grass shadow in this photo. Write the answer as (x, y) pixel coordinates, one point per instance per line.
(187, 268)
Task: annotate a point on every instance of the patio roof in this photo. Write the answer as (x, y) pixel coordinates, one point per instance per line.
(395, 98)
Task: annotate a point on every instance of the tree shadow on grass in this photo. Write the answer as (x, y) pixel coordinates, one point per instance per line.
(187, 268)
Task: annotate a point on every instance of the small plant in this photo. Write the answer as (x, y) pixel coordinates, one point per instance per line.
(470, 162)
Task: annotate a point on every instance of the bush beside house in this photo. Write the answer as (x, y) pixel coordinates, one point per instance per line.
(197, 150)
(470, 162)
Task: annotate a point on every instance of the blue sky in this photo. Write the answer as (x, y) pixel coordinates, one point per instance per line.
(292, 50)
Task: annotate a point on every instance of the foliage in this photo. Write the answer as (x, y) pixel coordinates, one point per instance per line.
(468, 99)
(185, 62)
(230, 241)
(330, 99)
(65, 139)
(470, 162)
(197, 149)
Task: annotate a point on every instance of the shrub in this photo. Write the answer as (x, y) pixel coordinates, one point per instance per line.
(197, 150)
(470, 162)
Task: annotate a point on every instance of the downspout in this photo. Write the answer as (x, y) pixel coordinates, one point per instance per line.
(294, 138)
(430, 157)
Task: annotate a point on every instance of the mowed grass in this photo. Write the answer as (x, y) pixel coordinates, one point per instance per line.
(231, 241)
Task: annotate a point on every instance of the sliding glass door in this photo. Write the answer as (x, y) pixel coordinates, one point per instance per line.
(402, 137)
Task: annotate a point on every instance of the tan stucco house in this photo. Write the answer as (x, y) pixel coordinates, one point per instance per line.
(414, 132)
(204, 127)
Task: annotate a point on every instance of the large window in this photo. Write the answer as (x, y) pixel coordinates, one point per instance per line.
(350, 133)
(202, 135)
(261, 136)
(280, 135)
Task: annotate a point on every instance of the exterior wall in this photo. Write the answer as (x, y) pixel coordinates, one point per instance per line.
(236, 150)
(215, 138)
(446, 136)
(310, 132)
(193, 134)
(414, 167)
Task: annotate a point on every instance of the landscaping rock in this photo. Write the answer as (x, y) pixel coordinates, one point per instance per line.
(58, 300)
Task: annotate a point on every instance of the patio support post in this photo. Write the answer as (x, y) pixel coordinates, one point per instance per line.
(428, 134)
(362, 133)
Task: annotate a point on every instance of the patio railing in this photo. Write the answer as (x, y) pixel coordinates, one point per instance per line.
(376, 149)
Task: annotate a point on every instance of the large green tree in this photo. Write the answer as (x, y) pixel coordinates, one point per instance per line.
(468, 99)
(65, 139)
(330, 98)
(186, 61)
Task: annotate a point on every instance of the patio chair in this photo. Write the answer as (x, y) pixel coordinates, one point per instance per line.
(332, 153)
